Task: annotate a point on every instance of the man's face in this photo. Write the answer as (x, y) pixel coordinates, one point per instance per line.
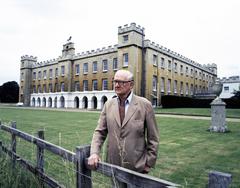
(122, 84)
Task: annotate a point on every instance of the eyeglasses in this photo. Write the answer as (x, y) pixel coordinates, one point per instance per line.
(121, 82)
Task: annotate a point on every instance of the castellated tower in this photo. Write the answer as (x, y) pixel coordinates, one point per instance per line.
(131, 53)
(26, 78)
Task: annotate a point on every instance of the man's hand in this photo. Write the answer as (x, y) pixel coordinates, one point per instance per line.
(93, 161)
(146, 169)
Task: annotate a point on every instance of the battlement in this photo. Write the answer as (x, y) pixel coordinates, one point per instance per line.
(44, 63)
(98, 51)
(29, 58)
(148, 43)
(131, 27)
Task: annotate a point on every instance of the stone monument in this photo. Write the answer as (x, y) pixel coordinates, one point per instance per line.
(218, 112)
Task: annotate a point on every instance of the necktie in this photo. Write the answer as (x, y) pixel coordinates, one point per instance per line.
(122, 110)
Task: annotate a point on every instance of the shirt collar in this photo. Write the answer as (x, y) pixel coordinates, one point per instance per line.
(129, 99)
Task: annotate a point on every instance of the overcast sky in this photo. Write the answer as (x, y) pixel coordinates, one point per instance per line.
(206, 31)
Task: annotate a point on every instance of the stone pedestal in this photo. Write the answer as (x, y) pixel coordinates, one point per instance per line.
(218, 113)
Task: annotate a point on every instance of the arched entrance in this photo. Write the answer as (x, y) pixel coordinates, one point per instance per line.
(62, 102)
(94, 102)
(49, 102)
(103, 100)
(85, 102)
(76, 102)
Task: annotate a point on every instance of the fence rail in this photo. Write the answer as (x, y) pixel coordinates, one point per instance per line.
(131, 178)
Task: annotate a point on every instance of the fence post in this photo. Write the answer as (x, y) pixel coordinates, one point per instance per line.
(40, 156)
(219, 179)
(14, 143)
(83, 174)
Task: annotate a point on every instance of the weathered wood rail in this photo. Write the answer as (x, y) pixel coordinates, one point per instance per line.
(83, 173)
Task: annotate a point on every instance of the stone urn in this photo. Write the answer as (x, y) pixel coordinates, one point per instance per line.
(217, 88)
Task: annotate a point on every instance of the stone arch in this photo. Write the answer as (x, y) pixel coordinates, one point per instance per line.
(85, 102)
(76, 102)
(55, 102)
(103, 100)
(62, 102)
(44, 102)
(38, 102)
(49, 102)
(94, 102)
(33, 102)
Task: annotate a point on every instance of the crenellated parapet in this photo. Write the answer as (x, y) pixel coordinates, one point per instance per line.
(98, 51)
(45, 63)
(29, 58)
(209, 68)
(131, 27)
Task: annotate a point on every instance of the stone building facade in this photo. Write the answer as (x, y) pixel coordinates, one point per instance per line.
(84, 80)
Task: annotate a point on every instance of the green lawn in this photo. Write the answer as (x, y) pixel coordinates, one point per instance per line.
(187, 152)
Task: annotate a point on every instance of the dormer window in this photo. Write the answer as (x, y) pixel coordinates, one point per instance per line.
(125, 38)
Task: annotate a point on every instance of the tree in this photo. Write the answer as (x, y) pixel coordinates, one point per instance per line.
(9, 92)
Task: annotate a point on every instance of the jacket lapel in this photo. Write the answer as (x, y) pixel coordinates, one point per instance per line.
(131, 110)
(116, 113)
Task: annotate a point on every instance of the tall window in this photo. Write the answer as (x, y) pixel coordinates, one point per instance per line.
(191, 89)
(175, 67)
(39, 75)
(45, 74)
(85, 68)
(125, 60)
(162, 84)
(115, 64)
(105, 65)
(125, 38)
(22, 76)
(56, 87)
(94, 85)
(39, 89)
(169, 86)
(155, 60)
(50, 88)
(162, 63)
(62, 70)
(56, 72)
(34, 89)
(34, 76)
(181, 69)
(50, 73)
(104, 84)
(77, 69)
(175, 86)
(181, 88)
(77, 86)
(169, 65)
(154, 83)
(85, 85)
(94, 66)
(186, 71)
(62, 86)
(187, 89)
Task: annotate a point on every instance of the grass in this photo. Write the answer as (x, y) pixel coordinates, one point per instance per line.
(187, 152)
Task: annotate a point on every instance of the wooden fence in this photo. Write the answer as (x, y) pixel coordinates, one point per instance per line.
(83, 173)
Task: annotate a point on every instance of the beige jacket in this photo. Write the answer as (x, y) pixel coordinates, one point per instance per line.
(133, 144)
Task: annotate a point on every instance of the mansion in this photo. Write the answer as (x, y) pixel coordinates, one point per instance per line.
(85, 80)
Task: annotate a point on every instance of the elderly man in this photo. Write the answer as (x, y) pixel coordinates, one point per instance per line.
(129, 122)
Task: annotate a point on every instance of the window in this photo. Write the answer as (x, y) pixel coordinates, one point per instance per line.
(181, 69)
(50, 73)
(226, 88)
(181, 88)
(22, 76)
(94, 85)
(115, 64)
(85, 85)
(56, 87)
(175, 86)
(154, 83)
(34, 89)
(169, 86)
(169, 65)
(162, 84)
(77, 69)
(162, 63)
(45, 74)
(39, 89)
(175, 67)
(105, 65)
(62, 70)
(62, 87)
(94, 66)
(77, 86)
(50, 88)
(104, 84)
(85, 68)
(155, 60)
(34, 76)
(56, 72)
(125, 38)
(39, 75)
(191, 89)
(191, 72)
(125, 60)
(187, 89)
(196, 75)
(44, 88)
(186, 71)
